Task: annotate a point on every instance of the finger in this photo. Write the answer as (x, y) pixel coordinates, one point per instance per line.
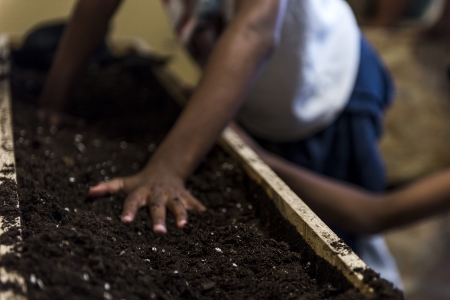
(178, 209)
(106, 188)
(158, 213)
(132, 204)
(192, 203)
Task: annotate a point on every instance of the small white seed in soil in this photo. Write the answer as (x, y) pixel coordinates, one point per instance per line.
(53, 129)
(163, 251)
(103, 172)
(238, 205)
(107, 286)
(212, 233)
(40, 130)
(75, 210)
(107, 296)
(66, 209)
(23, 132)
(175, 272)
(147, 260)
(234, 265)
(187, 283)
(122, 252)
(72, 179)
(250, 206)
(47, 153)
(123, 145)
(81, 147)
(40, 284)
(153, 296)
(78, 138)
(108, 218)
(219, 250)
(86, 276)
(224, 210)
(154, 249)
(151, 147)
(33, 278)
(139, 233)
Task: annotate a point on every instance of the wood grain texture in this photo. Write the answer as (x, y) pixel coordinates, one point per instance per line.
(7, 166)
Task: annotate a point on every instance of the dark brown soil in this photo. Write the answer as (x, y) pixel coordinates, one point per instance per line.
(76, 248)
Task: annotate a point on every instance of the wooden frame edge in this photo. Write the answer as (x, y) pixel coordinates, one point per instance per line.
(7, 163)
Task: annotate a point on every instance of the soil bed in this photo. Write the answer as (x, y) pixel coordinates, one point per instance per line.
(76, 248)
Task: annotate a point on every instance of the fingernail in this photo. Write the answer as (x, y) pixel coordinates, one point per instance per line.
(127, 218)
(159, 229)
(182, 223)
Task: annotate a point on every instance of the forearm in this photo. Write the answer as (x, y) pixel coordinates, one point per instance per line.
(231, 69)
(82, 36)
(341, 204)
(359, 211)
(421, 199)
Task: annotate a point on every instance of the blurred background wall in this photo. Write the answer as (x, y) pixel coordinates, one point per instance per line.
(145, 19)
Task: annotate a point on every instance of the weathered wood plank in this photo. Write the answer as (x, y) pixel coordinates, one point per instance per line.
(319, 236)
(7, 167)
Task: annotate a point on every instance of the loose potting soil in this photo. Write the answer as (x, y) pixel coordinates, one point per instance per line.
(75, 247)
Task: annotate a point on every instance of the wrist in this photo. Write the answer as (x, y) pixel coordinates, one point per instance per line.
(161, 164)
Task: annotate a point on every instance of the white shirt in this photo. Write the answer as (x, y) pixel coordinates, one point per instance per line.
(309, 78)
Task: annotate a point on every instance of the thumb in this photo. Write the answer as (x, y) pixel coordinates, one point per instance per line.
(106, 188)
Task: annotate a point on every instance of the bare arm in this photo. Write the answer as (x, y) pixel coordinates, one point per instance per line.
(355, 209)
(82, 36)
(233, 66)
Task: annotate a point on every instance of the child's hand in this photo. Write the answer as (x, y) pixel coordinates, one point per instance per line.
(154, 187)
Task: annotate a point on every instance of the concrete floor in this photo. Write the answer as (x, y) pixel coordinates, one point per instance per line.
(417, 143)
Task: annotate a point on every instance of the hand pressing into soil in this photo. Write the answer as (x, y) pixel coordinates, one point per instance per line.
(156, 188)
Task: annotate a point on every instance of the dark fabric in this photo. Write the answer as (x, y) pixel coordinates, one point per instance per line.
(347, 149)
(41, 44)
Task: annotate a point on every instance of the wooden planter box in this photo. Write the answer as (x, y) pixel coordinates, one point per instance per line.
(323, 242)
